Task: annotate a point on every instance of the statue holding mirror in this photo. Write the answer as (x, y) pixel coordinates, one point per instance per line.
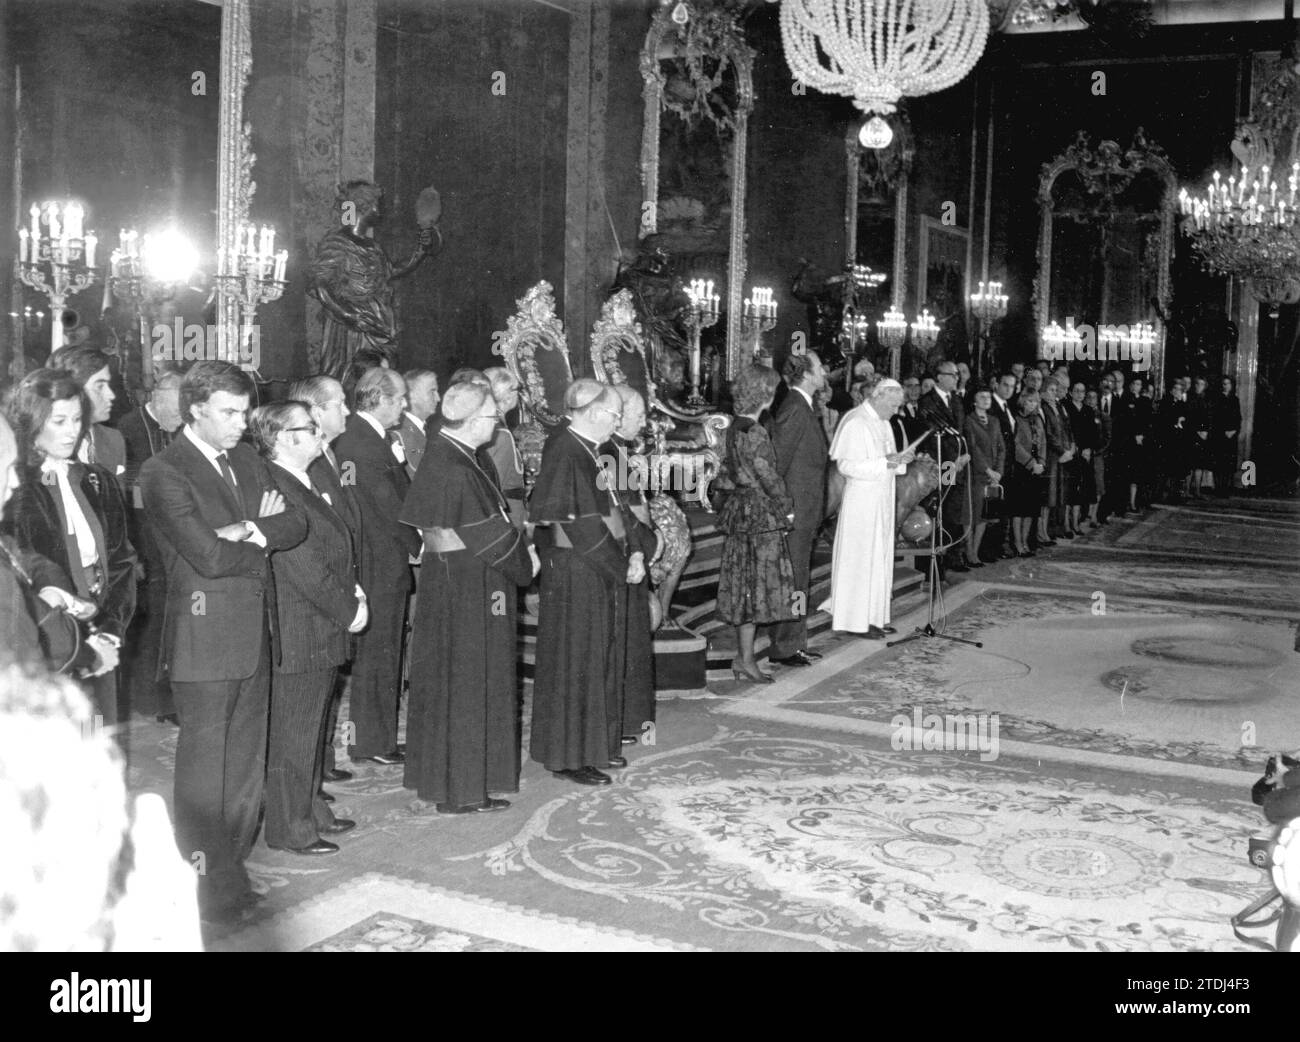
(352, 276)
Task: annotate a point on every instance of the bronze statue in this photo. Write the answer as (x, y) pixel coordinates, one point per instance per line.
(352, 275)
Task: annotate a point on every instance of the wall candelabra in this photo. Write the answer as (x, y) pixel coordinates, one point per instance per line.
(56, 257)
(249, 275)
(704, 312)
(759, 317)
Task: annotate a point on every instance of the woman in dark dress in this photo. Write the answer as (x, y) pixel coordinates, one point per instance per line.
(1223, 439)
(1029, 486)
(586, 567)
(1080, 478)
(1200, 418)
(462, 741)
(987, 462)
(1174, 444)
(72, 513)
(756, 585)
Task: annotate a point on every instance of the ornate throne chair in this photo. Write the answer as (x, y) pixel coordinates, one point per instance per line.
(683, 452)
(534, 350)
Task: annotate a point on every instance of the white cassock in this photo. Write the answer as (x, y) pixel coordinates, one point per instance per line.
(862, 568)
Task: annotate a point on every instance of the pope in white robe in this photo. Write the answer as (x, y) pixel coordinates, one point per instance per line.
(862, 568)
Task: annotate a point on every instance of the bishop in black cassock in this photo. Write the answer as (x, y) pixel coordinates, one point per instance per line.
(582, 619)
(462, 735)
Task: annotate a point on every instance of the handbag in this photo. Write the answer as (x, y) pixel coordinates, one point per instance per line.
(995, 504)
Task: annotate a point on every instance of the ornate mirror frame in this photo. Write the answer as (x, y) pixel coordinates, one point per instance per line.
(1108, 161)
(741, 56)
(235, 157)
(900, 151)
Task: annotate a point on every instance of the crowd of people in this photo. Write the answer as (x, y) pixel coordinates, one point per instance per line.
(236, 561)
(225, 567)
(1035, 456)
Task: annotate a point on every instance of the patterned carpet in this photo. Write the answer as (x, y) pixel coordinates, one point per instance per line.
(789, 818)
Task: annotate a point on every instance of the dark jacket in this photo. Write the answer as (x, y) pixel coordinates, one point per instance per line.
(380, 484)
(143, 439)
(315, 584)
(220, 594)
(34, 519)
(799, 441)
(987, 449)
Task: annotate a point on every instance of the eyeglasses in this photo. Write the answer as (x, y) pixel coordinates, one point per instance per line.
(313, 427)
(947, 372)
(611, 412)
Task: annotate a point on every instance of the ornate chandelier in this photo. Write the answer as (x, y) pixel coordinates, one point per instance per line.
(1248, 227)
(877, 51)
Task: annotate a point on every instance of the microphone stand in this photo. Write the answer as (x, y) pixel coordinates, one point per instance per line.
(928, 629)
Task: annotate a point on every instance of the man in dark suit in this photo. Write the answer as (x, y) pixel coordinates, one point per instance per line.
(367, 461)
(147, 431)
(422, 402)
(1005, 411)
(941, 409)
(799, 441)
(318, 603)
(329, 411)
(909, 413)
(217, 513)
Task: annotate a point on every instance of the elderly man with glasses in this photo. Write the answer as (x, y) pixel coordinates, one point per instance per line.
(318, 604)
(463, 722)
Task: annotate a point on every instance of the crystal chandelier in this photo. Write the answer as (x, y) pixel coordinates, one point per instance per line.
(1247, 227)
(892, 329)
(877, 51)
(1244, 228)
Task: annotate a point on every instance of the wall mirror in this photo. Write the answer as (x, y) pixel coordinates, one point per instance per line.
(1106, 238)
(698, 92)
(875, 213)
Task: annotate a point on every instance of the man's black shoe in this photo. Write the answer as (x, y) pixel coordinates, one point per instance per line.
(336, 774)
(328, 797)
(618, 761)
(339, 825)
(321, 846)
(585, 776)
(388, 759)
(168, 718)
(799, 658)
(629, 739)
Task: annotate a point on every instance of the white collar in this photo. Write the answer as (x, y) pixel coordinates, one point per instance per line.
(379, 427)
(301, 475)
(419, 423)
(806, 396)
(208, 451)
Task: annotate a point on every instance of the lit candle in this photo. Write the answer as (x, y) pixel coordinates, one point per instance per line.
(23, 237)
(708, 288)
(36, 226)
(281, 261)
(52, 219)
(250, 245)
(91, 242)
